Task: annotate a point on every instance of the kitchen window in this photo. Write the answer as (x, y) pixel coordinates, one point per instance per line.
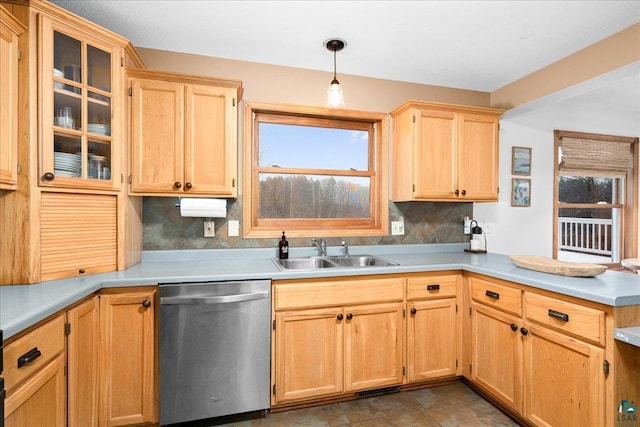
(314, 172)
(595, 204)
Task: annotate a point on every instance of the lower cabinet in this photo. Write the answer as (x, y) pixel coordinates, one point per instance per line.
(352, 341)
(127, 358)
(541, 356)
(433, 333)
(111, 359)
(35, 378)
(83, 324)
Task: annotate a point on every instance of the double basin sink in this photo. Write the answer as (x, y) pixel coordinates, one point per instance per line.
(320, 262)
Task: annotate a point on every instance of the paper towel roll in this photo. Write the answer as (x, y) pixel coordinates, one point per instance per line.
(204, 208)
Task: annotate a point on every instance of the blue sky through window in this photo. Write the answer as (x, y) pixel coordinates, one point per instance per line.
(293, 146)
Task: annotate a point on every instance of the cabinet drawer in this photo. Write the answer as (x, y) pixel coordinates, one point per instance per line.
(499, 296)
(565, 316)
(337, 292)
(429, 287)
(48, 340)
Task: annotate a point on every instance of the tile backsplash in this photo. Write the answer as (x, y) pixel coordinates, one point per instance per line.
(424, 222)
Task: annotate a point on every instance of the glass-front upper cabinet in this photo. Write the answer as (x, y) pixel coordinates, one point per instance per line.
(81, 85)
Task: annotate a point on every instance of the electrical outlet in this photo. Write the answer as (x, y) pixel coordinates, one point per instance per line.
(233, 228)
(397, 227)
(209, 230)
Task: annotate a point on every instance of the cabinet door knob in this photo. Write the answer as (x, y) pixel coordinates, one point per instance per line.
(514, 327)
(464, 192)
(524, 331)
(339, 316)
(349, 316)
(414, 311)
(177, 184)
(81, 271)
(457, 192)
(48, 176)
(146, 303)
(188, 186)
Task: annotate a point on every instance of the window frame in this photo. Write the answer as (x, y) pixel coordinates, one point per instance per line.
(376, 225)
(629, 233)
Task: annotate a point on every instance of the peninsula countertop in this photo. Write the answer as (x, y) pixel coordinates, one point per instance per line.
(24, 305)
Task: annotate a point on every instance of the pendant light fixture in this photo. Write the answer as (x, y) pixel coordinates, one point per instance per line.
(335, 97)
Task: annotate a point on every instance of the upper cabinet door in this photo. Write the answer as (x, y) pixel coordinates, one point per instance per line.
(478, 160)
(157, 136)
(10, 29)
(210, 150)
(435, 167)
(80, 94)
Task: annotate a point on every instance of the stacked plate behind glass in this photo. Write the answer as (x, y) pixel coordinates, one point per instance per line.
(66, 164)
(99, 129)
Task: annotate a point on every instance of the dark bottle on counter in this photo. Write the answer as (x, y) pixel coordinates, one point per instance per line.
(283, 247)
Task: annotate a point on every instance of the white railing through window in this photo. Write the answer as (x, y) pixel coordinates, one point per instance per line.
(586, 235)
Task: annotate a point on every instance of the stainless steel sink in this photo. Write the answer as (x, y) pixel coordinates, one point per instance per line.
(311, 263)
(360, 261)
(314, 263)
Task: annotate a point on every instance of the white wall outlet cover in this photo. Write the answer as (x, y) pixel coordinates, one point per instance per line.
(209, 229)
(397, 227)
(234, 228)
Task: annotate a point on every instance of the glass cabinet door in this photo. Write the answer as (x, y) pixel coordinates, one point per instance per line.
(78, 107)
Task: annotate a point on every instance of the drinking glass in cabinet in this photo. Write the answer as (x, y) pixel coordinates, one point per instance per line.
(67, 57)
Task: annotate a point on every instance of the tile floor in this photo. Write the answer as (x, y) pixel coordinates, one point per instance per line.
(453, 405)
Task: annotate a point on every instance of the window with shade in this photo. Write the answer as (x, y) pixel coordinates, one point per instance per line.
(595, 205)
(314, 172)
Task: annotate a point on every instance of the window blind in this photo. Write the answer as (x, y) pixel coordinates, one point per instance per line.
(593, 157)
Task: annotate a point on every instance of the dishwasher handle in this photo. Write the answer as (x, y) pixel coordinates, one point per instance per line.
(223, 299)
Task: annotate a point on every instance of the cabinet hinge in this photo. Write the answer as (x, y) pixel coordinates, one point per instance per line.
(469, 311)
(274, 389)
(456, 363)
(233, 102)
(413, 188)
(404, 313)
(130, 179)
(414, 118)
(19, 54)
(121, 178)
(130, 91)
(274, 325)
(67, 328)
(233, 183)
(498, 190)
(121, 61)
(404, 371)
(456, 308)
(470, 368)
(605, 367)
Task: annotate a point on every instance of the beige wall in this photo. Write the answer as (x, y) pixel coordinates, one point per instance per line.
(288, 85)
(612, 53)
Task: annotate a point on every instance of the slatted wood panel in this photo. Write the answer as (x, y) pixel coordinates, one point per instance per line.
(78, 234)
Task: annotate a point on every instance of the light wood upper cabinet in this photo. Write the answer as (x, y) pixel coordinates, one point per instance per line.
(10, 30)
(444, 152)
(127, 358)
(81, 97)
(183, 134)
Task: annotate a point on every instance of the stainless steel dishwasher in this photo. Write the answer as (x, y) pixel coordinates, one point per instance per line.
(214, 349)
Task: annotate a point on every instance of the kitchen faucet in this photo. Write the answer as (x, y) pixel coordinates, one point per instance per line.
(321, 245)
(346, 248)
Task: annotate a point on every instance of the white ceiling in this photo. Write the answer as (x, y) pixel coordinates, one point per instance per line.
(478, 45)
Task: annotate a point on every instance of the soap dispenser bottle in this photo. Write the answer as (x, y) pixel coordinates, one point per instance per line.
(283, 248)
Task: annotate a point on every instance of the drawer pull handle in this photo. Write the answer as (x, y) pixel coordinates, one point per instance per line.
(29, 357)
(559, 315)
(435, 287)
(492, 294)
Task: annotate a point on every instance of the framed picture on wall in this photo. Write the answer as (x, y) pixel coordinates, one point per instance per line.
(520, 192)
(521, 161)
